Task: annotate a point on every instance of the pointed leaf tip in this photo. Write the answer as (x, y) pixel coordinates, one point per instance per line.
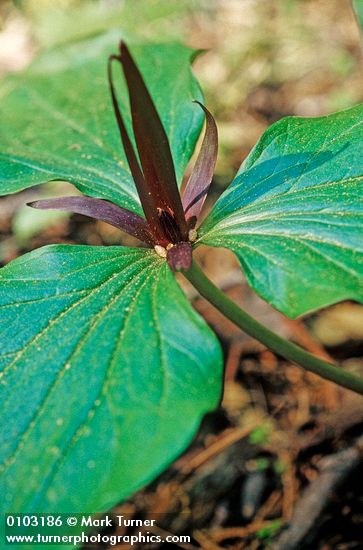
(297, 202)
(200, 179)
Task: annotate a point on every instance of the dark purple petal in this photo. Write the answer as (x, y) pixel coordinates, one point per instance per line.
(200, 179)
(179, 256)
(171, 230)
(152, 144)
(147, 202)
(103, 210)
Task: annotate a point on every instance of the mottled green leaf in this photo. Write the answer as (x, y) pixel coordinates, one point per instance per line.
(106, 374)
(57, 120)
(294, 213)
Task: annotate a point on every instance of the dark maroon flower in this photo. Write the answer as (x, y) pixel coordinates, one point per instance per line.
(170, 218)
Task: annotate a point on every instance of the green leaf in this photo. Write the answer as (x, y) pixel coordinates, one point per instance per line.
(358, 7)
(57, 120)
(294, 213)
(106, 374)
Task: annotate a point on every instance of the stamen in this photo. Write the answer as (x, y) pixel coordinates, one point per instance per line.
(169, 225)
(192, 235)
(160, 251)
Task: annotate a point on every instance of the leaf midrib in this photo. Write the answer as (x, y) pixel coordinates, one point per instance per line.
(97, 317)
(102, 391)
(290, 193)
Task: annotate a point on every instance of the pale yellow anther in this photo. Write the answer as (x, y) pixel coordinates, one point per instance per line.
(160, 251)
(192, 235)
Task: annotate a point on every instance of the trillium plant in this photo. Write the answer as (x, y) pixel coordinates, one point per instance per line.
(106, 369)
(170, 219)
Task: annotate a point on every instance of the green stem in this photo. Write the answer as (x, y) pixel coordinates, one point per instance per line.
(279, 345)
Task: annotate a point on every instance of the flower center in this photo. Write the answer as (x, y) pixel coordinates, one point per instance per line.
(169, 225)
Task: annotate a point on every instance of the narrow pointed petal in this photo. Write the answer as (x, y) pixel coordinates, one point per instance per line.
(152, 143)
(119, 217)
(180, 256)
(200, 179)
(141, 186)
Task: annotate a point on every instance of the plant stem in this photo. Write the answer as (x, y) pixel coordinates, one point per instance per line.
(279, 345)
